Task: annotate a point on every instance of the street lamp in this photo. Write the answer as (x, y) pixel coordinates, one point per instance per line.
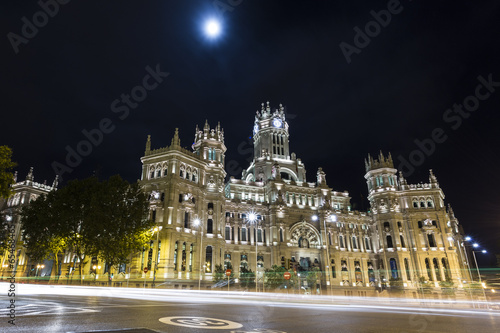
(252, 218)
(37, 268)
(197, 223)
(475, 246)
(95, 267)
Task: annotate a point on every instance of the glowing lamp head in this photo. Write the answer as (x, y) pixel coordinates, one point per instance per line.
(212, 28)
(468, 238)
(252, 217)
(475, 245)
(484, 251)
(314, 218)
(196, 222)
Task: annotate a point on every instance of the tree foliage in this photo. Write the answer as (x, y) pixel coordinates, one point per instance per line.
(274, 277)
(106, 219)
(247, 278)
(6, 175)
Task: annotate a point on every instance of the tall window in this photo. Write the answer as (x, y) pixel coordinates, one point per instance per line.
(367, 243)
(243, 234)
(341, 241)
(175, 255)
(428, 268)
(208, 260)
(354, 243)
(436, 269)
(432, 240)
(191, 258)
(259, 235)
(394, 268)
(402, 241)
(407, 268)
(334, 272)
(389, 241)
(330, 238)
(210, 226)
(228, 233)
(150, 255)
(445, 269)
(281, 234)
(186, 220)
(183, 263)
(158, 255)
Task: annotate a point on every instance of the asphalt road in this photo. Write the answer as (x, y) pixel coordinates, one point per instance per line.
(71, 313)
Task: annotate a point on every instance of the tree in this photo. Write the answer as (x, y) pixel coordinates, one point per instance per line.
(91, 218)
(274, 277)
(247, 278)
(42, 238)
(119, 212)
(6, 175)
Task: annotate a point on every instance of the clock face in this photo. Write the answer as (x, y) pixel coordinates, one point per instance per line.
(255, 128)
(277, 122)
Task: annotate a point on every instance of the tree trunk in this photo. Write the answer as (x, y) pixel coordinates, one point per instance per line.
(56, 264)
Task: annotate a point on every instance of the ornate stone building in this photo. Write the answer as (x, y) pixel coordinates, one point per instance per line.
(274, 216)
(23, 193)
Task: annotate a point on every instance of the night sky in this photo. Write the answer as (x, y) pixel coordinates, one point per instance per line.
(395, 89)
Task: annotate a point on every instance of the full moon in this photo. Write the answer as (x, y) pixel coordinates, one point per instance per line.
(212, 28)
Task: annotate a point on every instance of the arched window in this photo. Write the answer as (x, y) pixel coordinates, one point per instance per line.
(430, 204)
(436, 269)
(402, 241)
(152, 174)
(422, 204)
(208, 260)
(158, 173)
(191, 258)
(195, 176)
(210, 226)
(447, 275)
(165, 171)
(181, 172)
(415, 204)
(407, 268)
(183, 262)
(389, 241)
(367, 243)
(394, 268)
(175, 255)
(428, 268)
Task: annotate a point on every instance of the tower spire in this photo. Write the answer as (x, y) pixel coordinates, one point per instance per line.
(148, 144)
(175, 140)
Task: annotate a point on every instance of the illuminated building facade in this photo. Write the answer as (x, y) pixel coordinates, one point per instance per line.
(274, 216)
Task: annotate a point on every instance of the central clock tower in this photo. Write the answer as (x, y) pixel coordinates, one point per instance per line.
(272, 156)
(270, 133)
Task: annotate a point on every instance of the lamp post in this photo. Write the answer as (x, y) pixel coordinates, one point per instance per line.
(197, 222)
(252, 218)
(476, 246)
